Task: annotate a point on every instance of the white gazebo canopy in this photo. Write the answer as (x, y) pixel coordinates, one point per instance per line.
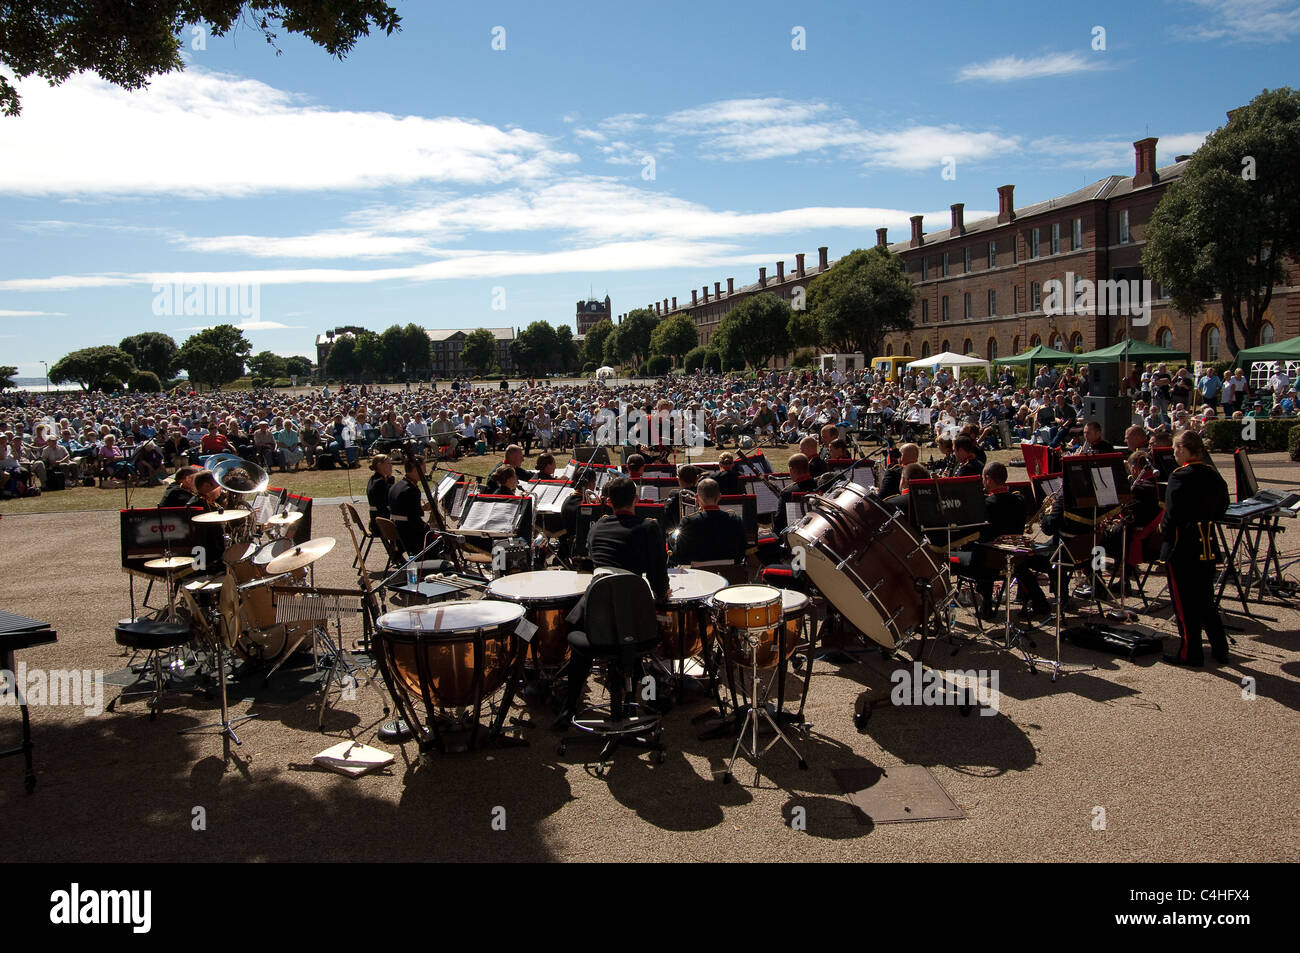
(955, 361)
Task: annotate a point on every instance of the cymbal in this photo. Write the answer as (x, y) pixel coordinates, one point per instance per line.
(301, 555)
(284, 519)
(221, 516)
(170, 562)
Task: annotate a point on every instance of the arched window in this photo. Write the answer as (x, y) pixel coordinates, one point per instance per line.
(1210, 343)
(1266, 333)
(889, 350)
(991, 352)
(925, 348)
(1058, 342)
(946, 346)
(1015, 344)
(967, 346)
(1076, 342)
(1119, 334)
(1035, 340)
(907, 348)
(1165, 337)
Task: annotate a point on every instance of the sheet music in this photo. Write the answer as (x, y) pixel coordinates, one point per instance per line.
(767, 500)
(445, 485)
(494, 516)
(1103, 485)
(793, 512)
(1051, 487)
(550, 497)
(569, 471)
(650, 492)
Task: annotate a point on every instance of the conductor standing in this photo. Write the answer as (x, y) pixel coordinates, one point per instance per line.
(1197, 496)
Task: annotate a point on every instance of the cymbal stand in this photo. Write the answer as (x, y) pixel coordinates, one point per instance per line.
(229, 620)
(1058, 668)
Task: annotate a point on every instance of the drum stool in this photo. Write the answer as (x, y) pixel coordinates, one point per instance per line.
(619, 629)
(154, 638)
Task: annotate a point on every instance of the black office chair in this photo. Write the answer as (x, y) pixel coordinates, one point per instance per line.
(619, 629)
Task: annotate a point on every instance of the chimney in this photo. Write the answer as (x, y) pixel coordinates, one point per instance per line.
(674, 302)
(1006, 204)
(762, 277)
(1145, 150)
(1181, 158)
(798, 264)
(959, 219)
(917, 240)
(657, 311)
(731, 286)
(706, 294)
(717, 289)
(882, 237)
(780, 271)
(821, 257)
(665, 305)
(695, 297)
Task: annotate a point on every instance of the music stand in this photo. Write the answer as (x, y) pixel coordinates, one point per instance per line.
(744, 505)
(945, 506)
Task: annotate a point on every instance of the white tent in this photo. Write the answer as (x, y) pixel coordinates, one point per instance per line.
(603, 372)
(955, 361)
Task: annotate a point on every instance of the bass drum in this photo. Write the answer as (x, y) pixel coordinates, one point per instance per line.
(868, 562)
(260, 637)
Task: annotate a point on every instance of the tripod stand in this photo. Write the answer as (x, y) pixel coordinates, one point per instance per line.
(229, 615)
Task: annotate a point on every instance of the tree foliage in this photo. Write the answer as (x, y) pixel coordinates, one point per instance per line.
(1227, 224)
(128, 44)
(153, 351)
(674, 337)
(480, 350)
(368, 348)
(754, 332)
(215, 356)
(93, 367)
(299, 365)
(593, 343)
(609, 354)
(341, 359)
(634, 336)
(535, 350)
(863, 297)
(7, 374)
(267, 364)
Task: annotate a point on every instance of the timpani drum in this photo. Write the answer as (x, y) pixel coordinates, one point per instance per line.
(686, 628)
(869, 564)
(445, 660)
(751, 619)
(548, 596)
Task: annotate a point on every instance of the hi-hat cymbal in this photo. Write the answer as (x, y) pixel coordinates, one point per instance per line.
(301, 555)
(170, 562)
(284, 519)
(221, 516)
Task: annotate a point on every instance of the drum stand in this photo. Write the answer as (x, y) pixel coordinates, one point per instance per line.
(757, 708)
(1057, 666)
(226, 724)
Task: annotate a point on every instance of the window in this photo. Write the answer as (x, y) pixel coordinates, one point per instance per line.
(993, 302)
(907, 348)
(1266, 333)
(944, 315)
(1015, 251)
(966, 305)
(1076, 342)
(1078, 291)
(966, 252)
(945, 265)
(1056, 238)
(967, 346)
(1058, 343)
(1033, 243)
(1165, 338)
(946, 345)
(1210, 344)
(991, 351)
(925, 348)
(925, 311)
(1077, 239)
(1015, 344)
(1124, 236)
(1015, 299)
(993, 254)
(1035, 340)
(925, 268)
(1036, 295)
(889, 350)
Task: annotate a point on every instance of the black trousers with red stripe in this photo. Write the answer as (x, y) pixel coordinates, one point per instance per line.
(1192, 587)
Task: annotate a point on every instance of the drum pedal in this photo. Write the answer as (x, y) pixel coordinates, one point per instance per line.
(395, 732)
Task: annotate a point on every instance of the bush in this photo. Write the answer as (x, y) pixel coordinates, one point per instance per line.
(588, 368)
(1224, 436)
(146, 382)
(659, 365)
(281, 382)
(1293, 443)
(695, 359)
(805, 358)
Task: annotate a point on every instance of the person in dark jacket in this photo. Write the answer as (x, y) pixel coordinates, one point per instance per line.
(181, 492)
(803, 482)
(378, 486)
(406, 505)
(712, 534)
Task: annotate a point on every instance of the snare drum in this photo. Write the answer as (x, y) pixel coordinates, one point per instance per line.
(686, 629)
(868, 562)
(547, 597)
(446, 657)
(748, 607)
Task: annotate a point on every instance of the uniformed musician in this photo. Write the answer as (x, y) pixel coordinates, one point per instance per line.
(406, 506)
(801, 482)
(181, 492)
(378, 486)
(968, 463)
(688, 476)
(1006, 511)
(892, 480)
(712, 534)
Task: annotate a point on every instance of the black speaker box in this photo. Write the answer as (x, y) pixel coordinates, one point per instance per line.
(1115, 414)
(1103, 380)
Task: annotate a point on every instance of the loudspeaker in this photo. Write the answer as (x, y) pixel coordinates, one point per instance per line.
(1115, 414)
(1103, 380)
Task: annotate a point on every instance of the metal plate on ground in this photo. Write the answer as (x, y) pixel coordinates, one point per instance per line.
(897, 795)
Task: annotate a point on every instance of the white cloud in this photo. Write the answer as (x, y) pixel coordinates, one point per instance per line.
(1247, 21)
(329, 244)
(1113, 156)
(251, 326)
(31, 314)
(1008, 69)
(200, 133)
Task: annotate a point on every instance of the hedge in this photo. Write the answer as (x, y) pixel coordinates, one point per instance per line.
(1224, 436)
(1293, 443)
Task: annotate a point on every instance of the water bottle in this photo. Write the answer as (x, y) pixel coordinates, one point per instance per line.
(412, 576)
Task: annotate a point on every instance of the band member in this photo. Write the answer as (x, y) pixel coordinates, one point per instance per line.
(802, 482)
(584, 492)
(206, 491)
(712, 534)
(378, 486)
(1137, 520)
(899, 502)
(1163, 457)
(1093, 441)
(635, 465)
(890, 483)
(946, 465)
(1007, 511)
(687, 477)
(504, 481)
(1196, 497)
(621, 541)
(967, 460)
(545, 467)
(181, 492)
(726, 478)
(515, 458)
(406, 505)
(816, 463)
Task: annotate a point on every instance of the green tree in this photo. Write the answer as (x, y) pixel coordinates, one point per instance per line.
(153, 351)
(145, 382)
(1227, 225)
(479, 350)
(674, 337)
(267, 364)
(634, 335)
(417, 351)
(593, 343)
(567, 349)
(755, 331)
(609, 353)
(341, 361)
(93, 367)
(129, 44)
(863, 297)
(803, 330)
(534, 350)
(299, 365)
(216, 355)
(369, 349)
(392, 353)
(7, 374)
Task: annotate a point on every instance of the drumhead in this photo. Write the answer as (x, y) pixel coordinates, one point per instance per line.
(693, 585)
(547, 585)
(793, 601)
(445, 617)
(746, 596)
(272, 549)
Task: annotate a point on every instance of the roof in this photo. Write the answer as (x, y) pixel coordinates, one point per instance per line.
(445, 334)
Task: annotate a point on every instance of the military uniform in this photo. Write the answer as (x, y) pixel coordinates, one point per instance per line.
(779, 522)
(405, 503)
(377, 497)
(710, 535)
(1197, 496)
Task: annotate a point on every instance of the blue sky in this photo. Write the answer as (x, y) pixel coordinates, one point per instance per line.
(413, 179)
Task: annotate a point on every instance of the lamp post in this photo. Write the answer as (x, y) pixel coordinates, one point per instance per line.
(47, 376)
